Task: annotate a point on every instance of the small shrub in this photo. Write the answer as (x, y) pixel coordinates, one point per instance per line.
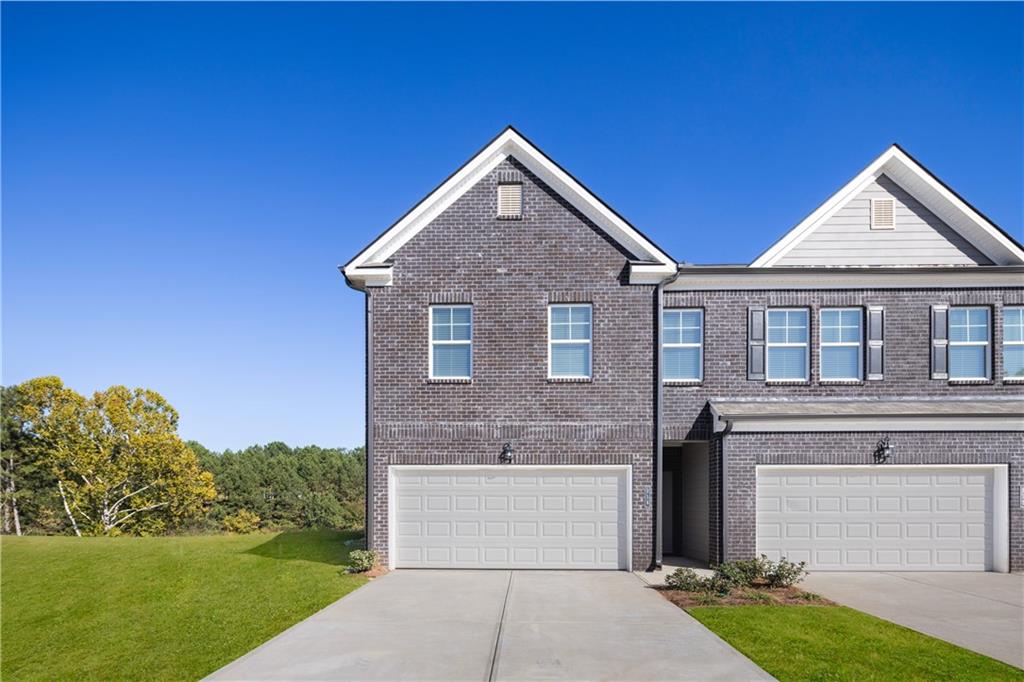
(783, 573)
(719, 585)
(685, 579)
(809, 596)
(761, 571)
(689, 580)
(707, 598)
(361, 560)
(242, 521)
(743, 573)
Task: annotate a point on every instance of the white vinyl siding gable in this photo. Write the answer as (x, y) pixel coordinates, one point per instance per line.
(969, 344)
(787, 356)
(917, 236)
(569, 341)
(841, 344)
(451, 342)
(1013, 343)
(682, 338)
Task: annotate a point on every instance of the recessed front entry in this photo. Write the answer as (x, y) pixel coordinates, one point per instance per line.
(885, 518)
(510, 517)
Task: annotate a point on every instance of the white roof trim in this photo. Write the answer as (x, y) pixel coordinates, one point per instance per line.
(650, 273)
(508, 143)
(905, 171)
(727, 278)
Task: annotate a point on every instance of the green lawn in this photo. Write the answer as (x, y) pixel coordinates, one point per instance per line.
(837, 643)
(168, 608)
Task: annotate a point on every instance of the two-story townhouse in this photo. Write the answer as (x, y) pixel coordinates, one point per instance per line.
(546, 388)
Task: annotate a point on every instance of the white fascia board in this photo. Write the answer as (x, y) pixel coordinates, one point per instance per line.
(650, 273)
(710, 278)
(953, 210)
(822, 213)
(508, 143)
(373, 276)
(923, 186)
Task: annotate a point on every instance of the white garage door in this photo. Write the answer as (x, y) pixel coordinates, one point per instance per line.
(911, 518)
(510, 517)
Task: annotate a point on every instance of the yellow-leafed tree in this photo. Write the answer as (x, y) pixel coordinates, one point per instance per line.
(119, 463)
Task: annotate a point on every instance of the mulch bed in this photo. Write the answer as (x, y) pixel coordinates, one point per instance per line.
(746, 596)
(376, 571)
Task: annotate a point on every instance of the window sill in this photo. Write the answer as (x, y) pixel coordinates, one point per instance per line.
(970, 382)
(570, 380)
(787, 382)
(1013, 380)
(683, 382)
(509, 217)
(449, 381)
(841, 382)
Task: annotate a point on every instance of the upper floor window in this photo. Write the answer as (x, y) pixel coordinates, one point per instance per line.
(786, 345)
(569, 341)
(841, 344)
(969, 343)
(682, 338)
(1013, 343)
(451, 342)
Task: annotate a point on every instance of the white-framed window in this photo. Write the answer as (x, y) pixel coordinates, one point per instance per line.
(969, 343)
(682, 344)
(841, 341)
(786, 347)
(569, 341)
(1013, 343)
(451, 342)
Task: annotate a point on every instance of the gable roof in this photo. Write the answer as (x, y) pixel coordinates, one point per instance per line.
(923, 185)
(370, 266)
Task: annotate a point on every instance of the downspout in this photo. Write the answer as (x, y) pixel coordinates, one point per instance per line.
(368, 432)
(659, 437)
(723, 494)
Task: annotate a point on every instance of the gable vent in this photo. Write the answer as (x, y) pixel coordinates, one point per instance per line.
(510, 201)
(883, 214)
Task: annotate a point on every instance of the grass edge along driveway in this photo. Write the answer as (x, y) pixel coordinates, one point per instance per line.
(840, 643)
(159, 608)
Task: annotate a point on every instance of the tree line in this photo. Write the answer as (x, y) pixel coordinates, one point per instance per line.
(113, 464)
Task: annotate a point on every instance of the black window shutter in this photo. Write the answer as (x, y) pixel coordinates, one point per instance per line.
(755, 343)
(876, 341)
(940, 341)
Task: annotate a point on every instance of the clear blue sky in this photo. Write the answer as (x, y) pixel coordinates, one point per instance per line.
(180, 181)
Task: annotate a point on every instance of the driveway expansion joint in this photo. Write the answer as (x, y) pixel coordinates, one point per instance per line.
(501, 622)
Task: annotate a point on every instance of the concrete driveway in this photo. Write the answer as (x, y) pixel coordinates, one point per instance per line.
(497, 625)
(983, 612)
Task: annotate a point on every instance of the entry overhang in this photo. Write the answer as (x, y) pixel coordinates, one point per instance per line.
(749, 416)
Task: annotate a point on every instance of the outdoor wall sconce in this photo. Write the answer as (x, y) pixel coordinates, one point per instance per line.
(507, 454)
(883, 450)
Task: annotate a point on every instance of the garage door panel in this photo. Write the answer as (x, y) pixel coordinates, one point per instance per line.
(561, 518)
(891, 519)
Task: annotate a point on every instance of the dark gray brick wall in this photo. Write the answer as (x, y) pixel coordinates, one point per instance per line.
(510, 271)
(907, 339)
(744, 451)
(907, 375)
